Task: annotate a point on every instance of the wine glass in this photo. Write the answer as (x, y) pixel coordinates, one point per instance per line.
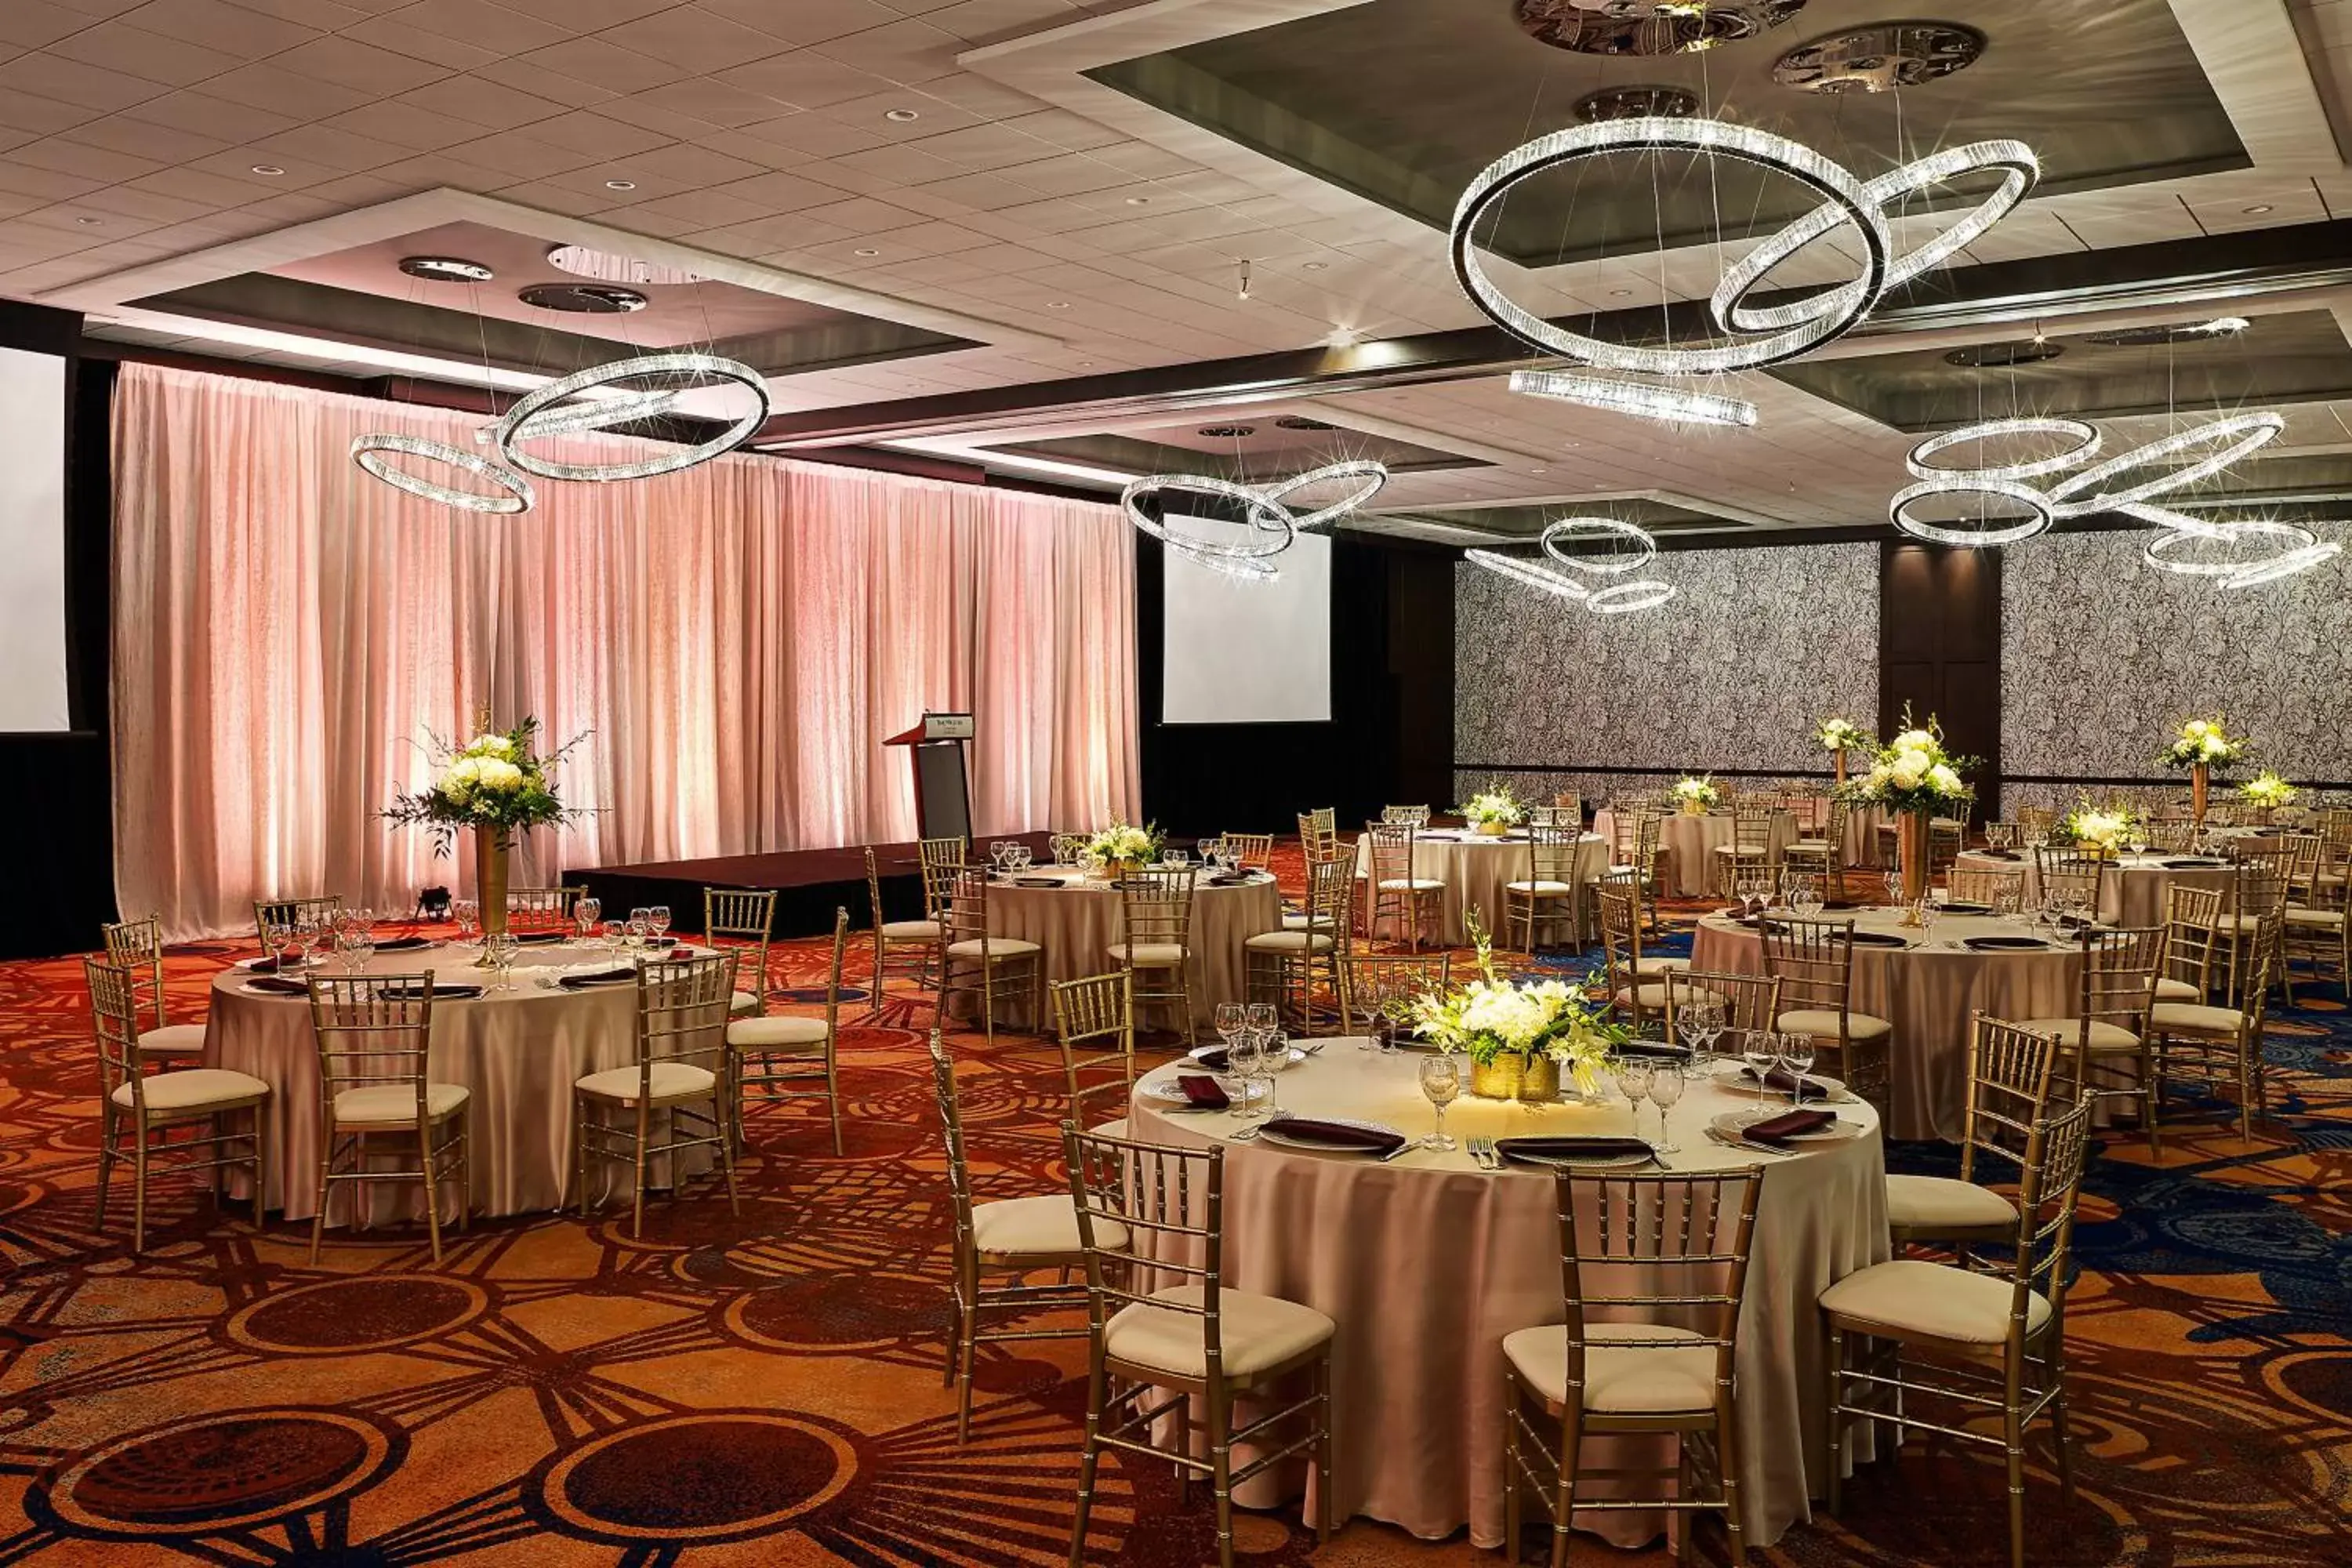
(467, 913)
(584, 915)
(616, 935)
(1440, 1085)
(633, 934)
(1242, 1058)
(658, 922)
(1633, 1074)
(499, 947)
(1273, 1058)
(1230, 1018)
(1761, 1049)
(1665, 1089)
(1260, 1014)
(1177, 857)
(1691, 1020)
(1796, 1055)
(1894, 883)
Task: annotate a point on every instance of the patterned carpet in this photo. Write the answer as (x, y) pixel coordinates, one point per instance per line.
(766, 1390)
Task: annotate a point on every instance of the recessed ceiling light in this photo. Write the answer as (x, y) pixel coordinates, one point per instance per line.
(1139, 201)
(865, 251)
(1538, 471)
(903, 116)
(620, 184)
(1316, 266)
(2258, 209)
(1620, 293)
(92, 222)
(270, 169)
(445, 269)
(1058, 304)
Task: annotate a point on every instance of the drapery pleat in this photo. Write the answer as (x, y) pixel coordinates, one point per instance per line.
(740, 638)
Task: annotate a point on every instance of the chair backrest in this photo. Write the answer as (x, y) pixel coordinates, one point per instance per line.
(1569, 803)
(1377, 982)
(873, 892)
(682, 1009)
(1667, 1250)
(2118, 980)
(2036, 821)
(1813, 961)
(1751, 824)
(833, 978)
(1251, 849)
(1621, 933)
(2048, 1183)
(114, 1030)
(2260, 882)
(1318, 833)
(1552, 855)
(1633, 837)
(963, 905)
(275, 920)
(2009, 1090)
(1406, 815)
(137, 946)
(943, 1086)
(742, 921)
(1155, 906)
(2303, 852)
(1066, 847)
(372, 1031)
(2002, 888)
(542, 909)
(2193, 935)
(1331, 900)
(1170, 1202)
(2002, 834)
(940, 859)
(2173, 835)
(2071, 874)
(1391, 851)
(1095, 1019)
(1946, 837)
(1749, 1001)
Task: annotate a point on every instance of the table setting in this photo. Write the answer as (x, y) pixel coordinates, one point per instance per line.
(1472, 868)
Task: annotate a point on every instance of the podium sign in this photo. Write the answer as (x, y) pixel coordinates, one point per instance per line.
(943, 790)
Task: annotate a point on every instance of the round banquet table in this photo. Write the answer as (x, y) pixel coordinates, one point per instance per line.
(1075, 919)
(1691, 840)
(1474, 869)
(2137, 888)
(1427, 1262)
(519, 1052)
(1927, 990)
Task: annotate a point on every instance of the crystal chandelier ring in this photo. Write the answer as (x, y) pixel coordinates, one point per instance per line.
(599, 413)
(1272, 528)
(2299, 539)
(2018, 169)
(1528, 573)
(1639, 399)
(369, 451)
(1846, 195)
(1898, 512)
(2233, 437)
(507, 431)
(2084, 436)
(1557, 535)
(1366, 474)
(1624, 598)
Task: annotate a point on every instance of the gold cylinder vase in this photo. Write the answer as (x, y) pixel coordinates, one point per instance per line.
(1509, 1077)
(490, 883)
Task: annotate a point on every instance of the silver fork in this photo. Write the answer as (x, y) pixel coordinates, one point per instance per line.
(1482, 1149)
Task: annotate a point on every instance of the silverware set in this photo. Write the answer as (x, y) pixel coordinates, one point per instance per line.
(1483, 1154)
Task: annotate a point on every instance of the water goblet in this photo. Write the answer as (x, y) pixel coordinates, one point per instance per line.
(1633, 1074)
(1440, 1085)
(1243, 1058)
(1796, 1056)
(499, 948)
(1691, 1021)
(1894, 883)
(1665, 1089)
(1760, 1050)
(584, 915)
(467, 913)
(1273, 1060)
(658, 922)
(1260, 1014)
(1229, 1018)
(1177, 857)
(616, 935)
(633, 934)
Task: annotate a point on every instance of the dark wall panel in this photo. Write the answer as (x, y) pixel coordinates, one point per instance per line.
(1939, 650)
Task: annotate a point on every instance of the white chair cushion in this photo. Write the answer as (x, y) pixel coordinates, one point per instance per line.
(1809, 846)
(1258, 1333)
(1542, 889)
(173, 1040)
(2317, 919)
(1931, 1299)
(1303, 922)
(779, 1031)
(1110, 1128)
(192, 1090)
(912, 930)
(742, 1002)
(1410, 885)
(395, 1104)
(992, 947)
(1148, 954)
(2104, 1037)
(1661, 966)
(1650, 996)
(671, 1080)
(1288, 941)
(1630, 1380)
(1823, 1024)
(2169, 990)
(1039, 1226)
(1935, 1203)
(2193, 1019)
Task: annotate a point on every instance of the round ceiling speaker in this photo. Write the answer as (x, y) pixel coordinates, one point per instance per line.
(445, 269)
(1649, 27)
(583, 299)
(1879, 59)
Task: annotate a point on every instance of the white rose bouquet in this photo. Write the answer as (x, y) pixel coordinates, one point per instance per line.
(2266, 790)
(496, 782)
(1914, 772)
(1496, 806)
(1492, 1017)
(1696, 794)
(1843, 735)
(2203, 743)
(1121, 845)
(2102, 831)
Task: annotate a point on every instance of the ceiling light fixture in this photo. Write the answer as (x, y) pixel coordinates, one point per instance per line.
(902, 116)
(1243, 280)
(270, 170)
(445, 269)
(1058, 304)
(509, 432)
(865, 251)
(1640, 399)
(1527, 573)
(1263, 507)
(611, 266)
(620, 184)
(1618, 598)
(369, 451)
(2257, 209)
(2085, 437)
(601, 414)
(92, 222)
(2303, 552)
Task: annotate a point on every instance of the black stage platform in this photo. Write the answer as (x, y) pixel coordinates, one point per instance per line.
(809, 884)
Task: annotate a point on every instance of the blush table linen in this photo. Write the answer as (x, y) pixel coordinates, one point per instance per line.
(1076, 920)
(1691, 840)
(2133, 893)
(1475, 869)
(1427, 1262)
(1926, 991)
(518, 1051)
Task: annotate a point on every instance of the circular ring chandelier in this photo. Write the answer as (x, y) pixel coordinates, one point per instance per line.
(601, 414)
(507, 432)
(1982, 533)
(1639, 399)
(2238, 435)
(1614, 598)
(369, 451)
(2084, 436)
(1847, 198)
(1365, 473)
(2303, 551)
(1251, 557)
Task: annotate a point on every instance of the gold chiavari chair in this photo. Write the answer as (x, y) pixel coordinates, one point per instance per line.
(741, 921)
(1652, 1269)
(1254, 850)
(976, 963)
(1946, 836)
(275, 920)
(1399, 893)
(1319, 840)
(2315, 923)
(1751, 853)
(2334, 825)
(1633, 848)
(1066, 847)
(2220, 1039)
(1155, 944)
(2257, 904)
(1999, 889)
(374, 1034)
(1544, 898)
(136, 947)
(2108, 1032)
(1746, 1001)
(1940, 1333)
(2171, 836)
(1094, 1018)
(2035, 823)
(542, 909)
(1813, 960)
(2193, 923)
(997, 1245)
(1197, 1346)
(2009, 1070)
(2068, 875)
(1378, 986)
(1569, 803)
(903, 950)
(2003, 835)
(1636, 982)
(1280, 967)
(1406, 815)
(1823, 856)
(681, 1071)
(786, 1057)
(151, 1106)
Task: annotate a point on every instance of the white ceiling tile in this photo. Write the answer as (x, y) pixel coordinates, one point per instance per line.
(596, 134)
(863, 214)
(993, 21)
(217, 192)
(143, 140)
(30, 24)
(248, 35)
(387, 32)
(782, 193)
(812, 135)
(381, 73)
(804, 80)
(603, 64)
(518, 155)
(664, 124)
(264, 86)
(212, 117)
(695, 39)
(119, 47)
(55, 77)
(329, 14)
(1070, 174)
(590, 16)
(690, 167)
(99, 164)
(711, 102)
(872, 112)
(479, 22)
(484, 102)
(766, 236)
(806, 21)
(330, 152)
(403, 127)
(40, 116)
(29, 180)
(882, 168)
(700, 209)
(515, 77)
(985, 98)
(548, 197)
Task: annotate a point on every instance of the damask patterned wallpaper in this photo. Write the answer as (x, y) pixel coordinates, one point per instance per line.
(2103, 657)
(1735, 671)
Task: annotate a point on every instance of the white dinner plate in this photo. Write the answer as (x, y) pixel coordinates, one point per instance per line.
(1625, 1161)
(1197, 1052)
(1164, 1091)
(1268, 1133)
(1734, 1125)
(1736, 1080)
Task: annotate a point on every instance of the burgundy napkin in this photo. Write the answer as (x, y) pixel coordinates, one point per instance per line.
(1785, 1081)
(602, 977)
(1878, 939)
(404, 943)
(1202, 1091)
(2001, 854)
(457, 993)
(279, 987)
(272, 965)
(1557, 1146)
(1334, 1135)
(1215, 1060)
(1788, 1124)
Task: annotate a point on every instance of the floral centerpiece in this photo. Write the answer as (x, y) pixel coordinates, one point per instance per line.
(1697, 795)
(1493, 810)
(1914, 778)
(2266, 792)
(2102, 833)
(1119, 850)
(1520, 1037)
(2201, 746)
(1839, 736)
(498, 785)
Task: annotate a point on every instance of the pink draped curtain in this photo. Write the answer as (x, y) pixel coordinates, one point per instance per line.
(740, 638)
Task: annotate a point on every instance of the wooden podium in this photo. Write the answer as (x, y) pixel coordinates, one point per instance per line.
(942, 789)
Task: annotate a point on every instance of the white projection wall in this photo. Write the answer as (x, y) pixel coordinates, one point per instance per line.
(32, 542)
(1241, 652)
